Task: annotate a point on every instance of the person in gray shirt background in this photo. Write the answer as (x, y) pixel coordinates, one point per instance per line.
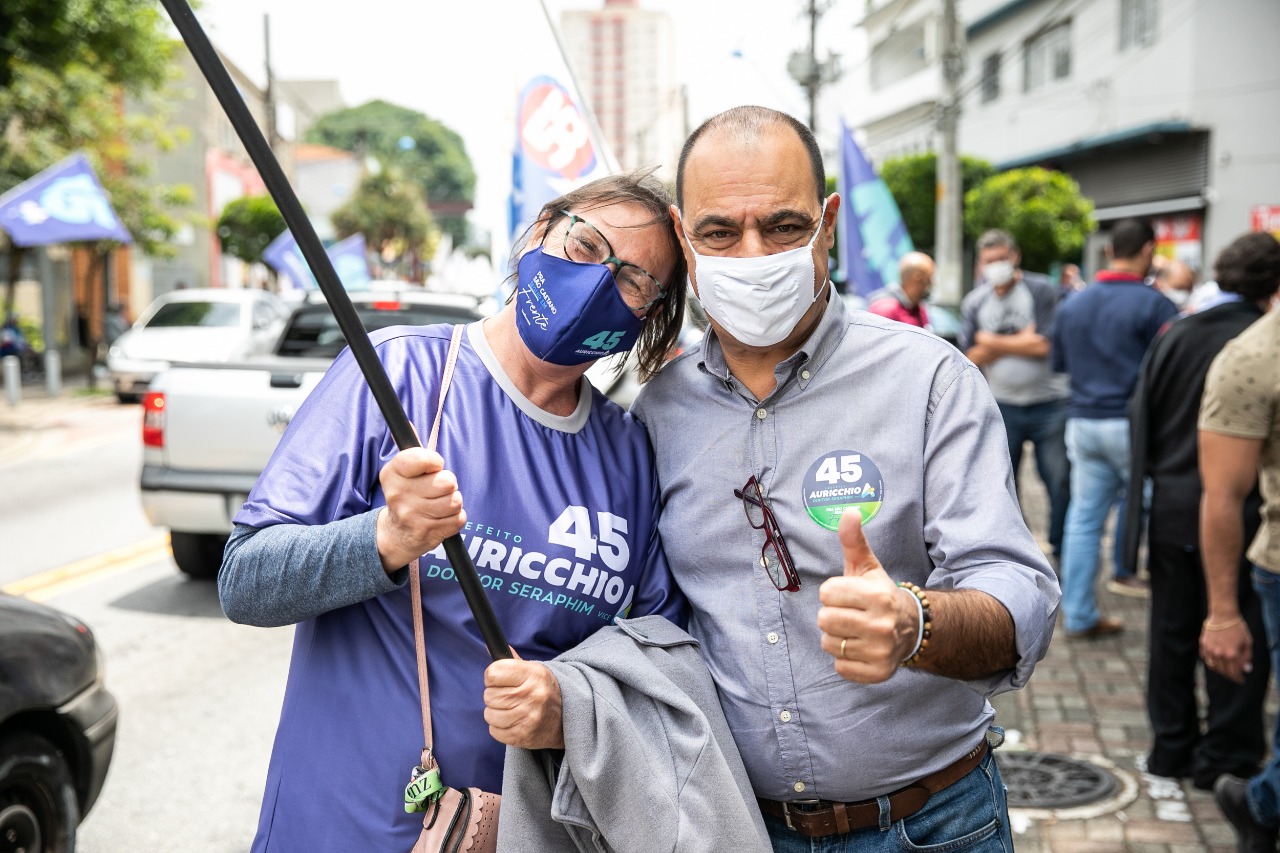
(839, 509)
(1005, 326)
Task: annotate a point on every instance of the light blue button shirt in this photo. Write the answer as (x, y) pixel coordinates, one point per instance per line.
(870, 414)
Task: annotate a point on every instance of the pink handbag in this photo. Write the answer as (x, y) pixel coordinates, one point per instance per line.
(455, 820)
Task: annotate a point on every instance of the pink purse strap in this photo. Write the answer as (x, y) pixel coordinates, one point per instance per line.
(415, 580)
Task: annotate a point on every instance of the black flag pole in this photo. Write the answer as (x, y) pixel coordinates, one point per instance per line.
(343, 311)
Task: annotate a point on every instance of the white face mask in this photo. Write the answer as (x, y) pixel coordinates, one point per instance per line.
(997, 273)
(1180, 298)
(759, 301)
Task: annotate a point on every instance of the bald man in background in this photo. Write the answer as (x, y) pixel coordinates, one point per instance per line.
(1176, 280)
(904, 301)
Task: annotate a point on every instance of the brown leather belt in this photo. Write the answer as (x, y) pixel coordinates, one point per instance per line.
(824, 818)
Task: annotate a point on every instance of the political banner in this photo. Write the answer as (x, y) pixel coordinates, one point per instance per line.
(348, 256)
(350, 262)
(873, 237)
(63, 204)
(555, 151)
(285, 257)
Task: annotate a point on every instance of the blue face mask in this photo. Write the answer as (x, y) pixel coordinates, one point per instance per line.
(570, 313)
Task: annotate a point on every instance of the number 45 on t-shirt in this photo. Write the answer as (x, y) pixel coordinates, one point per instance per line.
(850, 471)
(573, 530)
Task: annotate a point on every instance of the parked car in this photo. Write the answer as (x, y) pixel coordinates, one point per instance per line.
(209, 429)
(57, 726)
(204, 325)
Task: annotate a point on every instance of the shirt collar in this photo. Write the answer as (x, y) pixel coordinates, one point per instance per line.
(1114, 276)
(813, 353)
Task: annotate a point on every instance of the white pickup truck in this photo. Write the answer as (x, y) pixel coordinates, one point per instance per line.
(208, 429)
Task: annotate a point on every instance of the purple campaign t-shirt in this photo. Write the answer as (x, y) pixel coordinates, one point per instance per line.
(562, 525)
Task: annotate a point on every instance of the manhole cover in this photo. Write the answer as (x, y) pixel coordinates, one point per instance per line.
(1041, 780)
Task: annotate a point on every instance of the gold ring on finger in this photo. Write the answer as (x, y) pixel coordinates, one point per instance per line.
(842, 642)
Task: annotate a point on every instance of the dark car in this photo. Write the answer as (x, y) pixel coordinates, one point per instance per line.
(57, 726)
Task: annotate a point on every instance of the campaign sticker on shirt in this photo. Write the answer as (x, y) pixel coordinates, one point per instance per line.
(840, 480)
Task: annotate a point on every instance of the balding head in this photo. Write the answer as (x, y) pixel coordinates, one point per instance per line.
(915, 276)
(1176, 275)
(743, 126)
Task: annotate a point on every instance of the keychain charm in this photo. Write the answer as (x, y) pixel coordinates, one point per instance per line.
(424, 787)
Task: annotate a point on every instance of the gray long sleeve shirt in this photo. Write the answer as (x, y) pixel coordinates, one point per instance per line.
(873, 416)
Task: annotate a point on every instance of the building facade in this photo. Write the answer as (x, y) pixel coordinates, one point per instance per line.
(1158, 108)
(624, 60)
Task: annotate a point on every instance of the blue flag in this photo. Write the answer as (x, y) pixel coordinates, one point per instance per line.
(351, 262)
(286, 258)
(873, 237)
(348, 257)
(63, 204)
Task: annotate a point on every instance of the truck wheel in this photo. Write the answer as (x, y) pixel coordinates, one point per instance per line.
(38, 807)
(199, 555)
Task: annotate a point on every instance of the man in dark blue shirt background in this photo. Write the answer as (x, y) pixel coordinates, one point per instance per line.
(1099, 339)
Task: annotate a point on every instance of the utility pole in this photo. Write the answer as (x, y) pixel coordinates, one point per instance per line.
(949, 248)
(805, 69)
(273, 135)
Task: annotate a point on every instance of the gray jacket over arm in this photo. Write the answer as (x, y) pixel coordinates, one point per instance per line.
(649, 764)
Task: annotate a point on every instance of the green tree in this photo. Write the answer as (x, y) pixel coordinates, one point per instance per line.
(423, 149)
(248, 225)
(123, 40)
(1043, 210)
(65, 68)
(913, 181)
(393, 217)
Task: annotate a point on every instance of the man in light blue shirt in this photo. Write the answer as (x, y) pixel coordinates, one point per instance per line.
(794, 425)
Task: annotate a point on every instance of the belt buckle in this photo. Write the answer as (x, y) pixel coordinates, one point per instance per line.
(786, 811)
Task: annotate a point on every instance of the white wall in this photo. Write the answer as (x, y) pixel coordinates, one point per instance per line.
(1108, 91)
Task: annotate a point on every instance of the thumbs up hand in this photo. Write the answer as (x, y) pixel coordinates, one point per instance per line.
(868, 624)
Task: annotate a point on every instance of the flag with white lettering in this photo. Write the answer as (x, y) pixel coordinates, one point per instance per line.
(63, 204)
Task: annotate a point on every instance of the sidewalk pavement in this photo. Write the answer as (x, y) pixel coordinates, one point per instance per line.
(1087, 700)
(40, 422)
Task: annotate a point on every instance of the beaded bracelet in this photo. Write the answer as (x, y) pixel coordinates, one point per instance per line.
(926, 624)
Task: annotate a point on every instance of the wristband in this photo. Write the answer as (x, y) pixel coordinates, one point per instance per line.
(925, 630)
(1222, 626)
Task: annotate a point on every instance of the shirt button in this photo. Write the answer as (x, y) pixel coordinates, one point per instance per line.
(804, 374)
(761, 414)
(772, 637)
(785, 716)
(799, 787)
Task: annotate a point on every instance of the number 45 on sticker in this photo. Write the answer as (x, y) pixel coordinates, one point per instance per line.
(573, 530)
(849, 470)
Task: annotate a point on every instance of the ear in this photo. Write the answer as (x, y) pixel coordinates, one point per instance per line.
(829, 219)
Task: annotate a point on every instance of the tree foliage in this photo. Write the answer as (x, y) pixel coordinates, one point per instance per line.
(422, 149)
(66, 68)
(123, 40)
(248, 225)
(391, 214)
(1043, 210)
(913, 182)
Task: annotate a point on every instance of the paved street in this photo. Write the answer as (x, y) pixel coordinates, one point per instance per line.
(1086, 699)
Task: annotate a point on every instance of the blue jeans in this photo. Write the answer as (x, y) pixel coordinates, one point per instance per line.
(1099, 454)
(1044, 425)
(970, 816)
(1264, 789)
